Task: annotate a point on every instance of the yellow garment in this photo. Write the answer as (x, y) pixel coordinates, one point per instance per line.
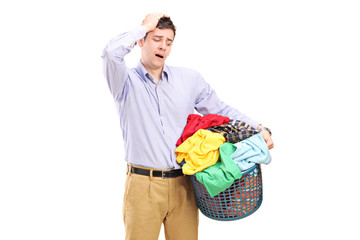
(199, 151)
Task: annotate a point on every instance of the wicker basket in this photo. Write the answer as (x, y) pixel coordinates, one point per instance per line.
(241, 199)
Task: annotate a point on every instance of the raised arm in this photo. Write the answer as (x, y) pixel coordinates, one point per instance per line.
(113, 55)
(115, 71)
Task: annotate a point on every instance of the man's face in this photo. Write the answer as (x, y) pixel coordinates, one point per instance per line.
(156, 48)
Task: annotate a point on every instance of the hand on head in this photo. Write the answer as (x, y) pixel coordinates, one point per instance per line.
(151, 20)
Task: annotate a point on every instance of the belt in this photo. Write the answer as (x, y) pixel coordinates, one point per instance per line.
(162, 174)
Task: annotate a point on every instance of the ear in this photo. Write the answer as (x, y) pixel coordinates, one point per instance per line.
(141, 42)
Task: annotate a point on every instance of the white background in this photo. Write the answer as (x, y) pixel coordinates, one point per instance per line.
(291, 65)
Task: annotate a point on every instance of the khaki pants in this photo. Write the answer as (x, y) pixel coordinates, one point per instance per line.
(150, 201)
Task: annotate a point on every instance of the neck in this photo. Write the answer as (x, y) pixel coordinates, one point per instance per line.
(156, 73)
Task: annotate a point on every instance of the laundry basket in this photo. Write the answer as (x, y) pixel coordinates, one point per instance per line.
(241, 199)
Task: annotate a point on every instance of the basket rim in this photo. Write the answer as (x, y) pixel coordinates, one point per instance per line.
(250, 169)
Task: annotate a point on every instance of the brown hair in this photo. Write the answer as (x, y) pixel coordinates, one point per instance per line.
(165, 23)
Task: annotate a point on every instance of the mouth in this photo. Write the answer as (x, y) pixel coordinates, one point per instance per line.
(159, 56)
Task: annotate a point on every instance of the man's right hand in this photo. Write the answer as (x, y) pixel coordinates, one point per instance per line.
(151, 20)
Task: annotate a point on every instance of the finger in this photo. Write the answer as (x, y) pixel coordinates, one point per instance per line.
(158, 15)
(270, 144)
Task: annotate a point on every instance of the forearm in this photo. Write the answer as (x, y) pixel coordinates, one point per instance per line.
(264, 132)
(233, 113)
(122, 44)
(113, 55)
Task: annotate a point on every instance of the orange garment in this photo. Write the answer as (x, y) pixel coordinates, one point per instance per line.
(199, 151)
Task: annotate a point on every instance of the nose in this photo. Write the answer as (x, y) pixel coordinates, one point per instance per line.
(162, 45)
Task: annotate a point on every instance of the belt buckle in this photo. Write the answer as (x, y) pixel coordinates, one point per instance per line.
(164, 174)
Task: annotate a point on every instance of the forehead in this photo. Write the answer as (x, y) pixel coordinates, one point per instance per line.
(162, 33)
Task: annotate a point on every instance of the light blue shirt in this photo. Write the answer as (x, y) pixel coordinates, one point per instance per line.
(153, 115)
(250, 151)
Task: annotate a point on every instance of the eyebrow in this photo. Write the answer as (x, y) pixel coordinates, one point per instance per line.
(159, 36)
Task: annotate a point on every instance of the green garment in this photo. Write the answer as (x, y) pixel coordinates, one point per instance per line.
(220, 176)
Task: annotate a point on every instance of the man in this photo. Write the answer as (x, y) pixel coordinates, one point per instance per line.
(154, 101)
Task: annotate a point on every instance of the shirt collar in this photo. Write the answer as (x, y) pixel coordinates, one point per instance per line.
(146, 76)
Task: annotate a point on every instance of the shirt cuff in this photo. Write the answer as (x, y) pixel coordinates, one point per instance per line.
(139, 32)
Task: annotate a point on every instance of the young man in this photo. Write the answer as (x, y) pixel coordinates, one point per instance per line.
(154, 101)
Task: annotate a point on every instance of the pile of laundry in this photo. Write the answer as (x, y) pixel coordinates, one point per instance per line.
(218, 149)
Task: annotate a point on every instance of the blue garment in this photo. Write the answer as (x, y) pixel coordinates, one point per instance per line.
(153, 115)
(250, 151)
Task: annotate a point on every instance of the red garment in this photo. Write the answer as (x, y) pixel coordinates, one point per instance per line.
(196, 122)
